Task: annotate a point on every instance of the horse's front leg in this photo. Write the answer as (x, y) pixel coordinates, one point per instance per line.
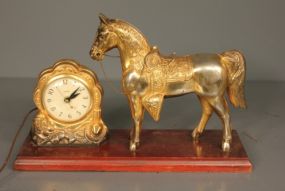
(137, 111)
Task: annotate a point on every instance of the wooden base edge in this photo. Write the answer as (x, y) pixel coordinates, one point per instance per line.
(125, 166)
(107, 159)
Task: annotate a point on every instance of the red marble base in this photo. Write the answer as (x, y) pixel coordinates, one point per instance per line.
(160, 151)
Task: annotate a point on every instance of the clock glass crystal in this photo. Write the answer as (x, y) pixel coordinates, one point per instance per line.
(66, 99)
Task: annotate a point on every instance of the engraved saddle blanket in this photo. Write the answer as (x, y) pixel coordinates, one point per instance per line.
(158, 71)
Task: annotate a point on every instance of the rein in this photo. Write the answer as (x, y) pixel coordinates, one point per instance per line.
(113, 56)
(110, 83)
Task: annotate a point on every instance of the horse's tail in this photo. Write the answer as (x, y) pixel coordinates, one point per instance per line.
(235, 65)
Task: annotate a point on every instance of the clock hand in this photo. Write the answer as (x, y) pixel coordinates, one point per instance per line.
(70, 98)
(66, 101)
(73, 95)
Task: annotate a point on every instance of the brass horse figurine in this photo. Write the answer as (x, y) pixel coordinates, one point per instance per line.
(148, 77)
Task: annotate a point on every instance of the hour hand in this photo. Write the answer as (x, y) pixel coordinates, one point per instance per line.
(74, 92)
(73, 95)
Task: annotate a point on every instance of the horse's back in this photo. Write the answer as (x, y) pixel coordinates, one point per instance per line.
(209, 74)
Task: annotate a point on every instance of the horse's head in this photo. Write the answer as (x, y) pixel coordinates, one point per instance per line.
(105, 40)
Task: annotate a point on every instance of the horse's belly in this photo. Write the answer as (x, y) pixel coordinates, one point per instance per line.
(179, 88)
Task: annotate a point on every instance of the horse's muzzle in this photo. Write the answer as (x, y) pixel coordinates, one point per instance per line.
(96, 54)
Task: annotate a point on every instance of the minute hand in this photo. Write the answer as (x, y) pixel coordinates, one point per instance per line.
(73, 94)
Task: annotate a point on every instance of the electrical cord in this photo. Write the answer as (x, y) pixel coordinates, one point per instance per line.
(4, 164)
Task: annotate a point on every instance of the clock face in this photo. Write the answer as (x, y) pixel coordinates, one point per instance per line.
(66, 99)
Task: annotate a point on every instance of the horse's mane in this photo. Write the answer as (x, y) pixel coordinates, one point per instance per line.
(128, 31)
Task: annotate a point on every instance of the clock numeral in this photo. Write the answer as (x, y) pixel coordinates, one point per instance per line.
(69, 116)
(49, 100)
(81, 89)
(78, 112)
(60, 114)
(53, 108)
(86, 97)
(50, 91)
(84, 106)
(64, 81)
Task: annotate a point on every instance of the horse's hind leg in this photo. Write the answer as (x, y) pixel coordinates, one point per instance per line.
(206, 114)
(221, 108)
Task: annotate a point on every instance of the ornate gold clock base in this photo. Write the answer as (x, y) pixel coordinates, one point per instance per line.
(81, 133)
(160, 151)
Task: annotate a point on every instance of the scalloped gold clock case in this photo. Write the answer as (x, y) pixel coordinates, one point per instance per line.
(88, 129)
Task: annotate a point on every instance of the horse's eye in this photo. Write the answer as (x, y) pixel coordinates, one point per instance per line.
(101, 37)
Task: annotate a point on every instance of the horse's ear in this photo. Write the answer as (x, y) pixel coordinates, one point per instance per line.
(103, 19)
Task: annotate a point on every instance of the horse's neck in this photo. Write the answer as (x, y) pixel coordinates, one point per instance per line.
(132, 54)
(132, 59)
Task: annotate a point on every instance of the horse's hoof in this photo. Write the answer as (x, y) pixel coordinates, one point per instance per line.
(133, 146)
(195, 134)
(226, 146)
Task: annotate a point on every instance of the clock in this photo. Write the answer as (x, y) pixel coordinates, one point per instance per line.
(68, 97)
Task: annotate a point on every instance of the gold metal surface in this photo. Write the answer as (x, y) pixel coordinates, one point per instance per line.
(88, 129)
(148, 77)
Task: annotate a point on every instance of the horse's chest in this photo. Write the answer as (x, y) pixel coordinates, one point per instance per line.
(133, 83)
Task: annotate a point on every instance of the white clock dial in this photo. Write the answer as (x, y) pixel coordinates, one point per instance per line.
(66, 99)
